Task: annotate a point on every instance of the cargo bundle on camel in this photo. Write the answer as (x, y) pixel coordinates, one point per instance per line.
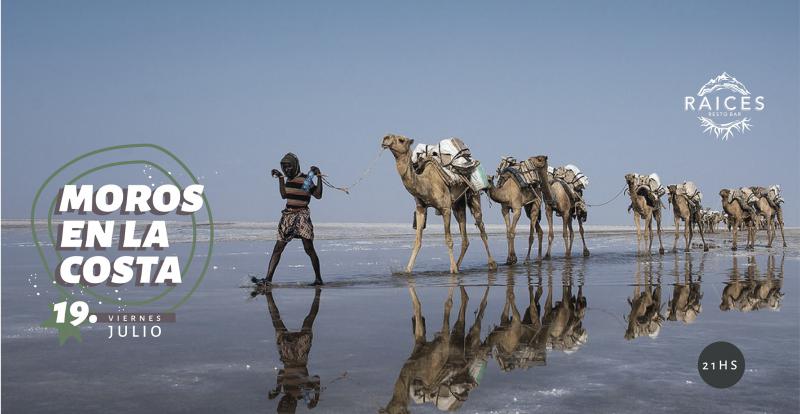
(447, 180)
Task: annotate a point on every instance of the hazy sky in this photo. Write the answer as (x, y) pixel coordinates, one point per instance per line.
(231, 86)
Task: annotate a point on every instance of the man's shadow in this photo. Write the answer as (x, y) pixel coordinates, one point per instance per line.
(293, 382)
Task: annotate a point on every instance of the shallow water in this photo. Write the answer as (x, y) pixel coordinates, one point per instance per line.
(578, 350)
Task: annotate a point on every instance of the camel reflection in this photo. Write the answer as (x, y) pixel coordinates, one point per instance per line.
(754, 292)
(519, 341)
(563, 321)
(686, 295)
(645, 317)
(293, 379)
(444, 370)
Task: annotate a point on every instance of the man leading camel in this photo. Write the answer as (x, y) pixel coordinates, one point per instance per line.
(296, 217)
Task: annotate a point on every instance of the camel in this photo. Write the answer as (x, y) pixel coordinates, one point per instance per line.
(513, 198)
(772, 214)
(646, 211)
(738, 216)
(442, 371)
(557, 198)
(685, 210)
(429, 189)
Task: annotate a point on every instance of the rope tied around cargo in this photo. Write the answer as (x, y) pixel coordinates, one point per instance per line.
(367, 171)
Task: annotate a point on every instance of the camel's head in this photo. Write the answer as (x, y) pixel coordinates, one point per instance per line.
(724, 193)
(630, 178)
(672, 189)
(398, 144)
(539, 161)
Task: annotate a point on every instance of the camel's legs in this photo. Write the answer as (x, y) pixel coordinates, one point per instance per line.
(648, 225)
(420, 217)
(687, 232)
(735, 233)
(512, 234)
(504, 210)
(460, 213)
(638, 227)
(534, 214)
(448, 239)
(475, 209)
(448, 305)
(583, 240)
(779, 216)
(531, 234)
(550, 234)
(677, 232)
(419, 321)
(566, 219)
(770, 231)
(702, 237)
(657, 216)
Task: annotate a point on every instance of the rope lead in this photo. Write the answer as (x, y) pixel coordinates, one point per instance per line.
(346, 189)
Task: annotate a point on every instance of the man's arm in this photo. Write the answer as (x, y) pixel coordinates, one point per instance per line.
(317, 191)
(281, 183)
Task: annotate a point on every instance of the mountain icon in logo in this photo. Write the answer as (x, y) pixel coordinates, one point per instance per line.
(723, 81)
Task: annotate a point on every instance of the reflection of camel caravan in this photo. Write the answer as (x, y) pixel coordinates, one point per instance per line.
(443, 371)
(747, 206)
(754, 292)
(520, 186)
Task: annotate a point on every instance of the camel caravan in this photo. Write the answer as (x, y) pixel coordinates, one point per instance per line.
(446, 177)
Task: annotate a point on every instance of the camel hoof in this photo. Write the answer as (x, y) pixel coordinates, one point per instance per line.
(511, 260)
(687, 250)
(705, 248)
(661, 250)
(586, 253)
(784, 245)
(492, 265)
(546, 257)
(733, 248)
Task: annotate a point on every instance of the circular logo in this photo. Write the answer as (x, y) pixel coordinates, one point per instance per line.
(721, 364)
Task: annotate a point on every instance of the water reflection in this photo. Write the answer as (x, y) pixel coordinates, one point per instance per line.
(753, 291)
(563, 322)
(294, 381)
(685, 304)
(444, 370)
(645, 317)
